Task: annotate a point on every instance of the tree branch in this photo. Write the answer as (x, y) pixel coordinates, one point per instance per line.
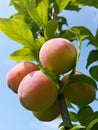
(64, 111)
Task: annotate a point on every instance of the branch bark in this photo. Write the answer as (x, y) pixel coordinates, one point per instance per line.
(64, 111)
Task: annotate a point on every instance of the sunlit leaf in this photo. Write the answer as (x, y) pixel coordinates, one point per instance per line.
(73, 116)
(62, 128)
(82, 31)
(42, 9)
(66, 124)
(26, 19)
(24, 54)
(17, 31)
(50, 29)
(60, 5)
(19, 16)
(68, 35)
(39, 42)
(75, 31)
(84, 115)
(77, 127)
(94, 72)
(93, 56)
(93, 125)
(19, 6)
(31, 9)
(38, 11)
(51, 75)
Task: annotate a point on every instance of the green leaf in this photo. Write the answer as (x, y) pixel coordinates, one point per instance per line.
(73, 116)
(66, 124)
(79, 3)
(17, 31)
(24, 54)
(11, 2)
(35, 29)
(87, 2)
(94, 40)
(50, 29)
(39, 42)
(69, 104)
(38, 10)
(42, 9)
(93, 125)
(62, 20)
(60, 5)
(20, 17)
(32, 25)
(94, 72)
(93, 56)
(83, 32)
(51, 75)
(72, 7)
(31, 9)
(62, 128)
(75, 31)
(68, 35)
(77, 127)
(94, 115)
(84, 115)
(83, 79)
(19, 6)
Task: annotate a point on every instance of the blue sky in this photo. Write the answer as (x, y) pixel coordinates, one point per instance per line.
(12, 115)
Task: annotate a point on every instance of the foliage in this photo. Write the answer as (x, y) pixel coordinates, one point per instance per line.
(35, 22)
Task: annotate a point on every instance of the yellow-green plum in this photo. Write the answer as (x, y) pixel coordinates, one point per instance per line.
(17, 73)
(59, 54)
(78, 93)
(49, 114)
(37, 92)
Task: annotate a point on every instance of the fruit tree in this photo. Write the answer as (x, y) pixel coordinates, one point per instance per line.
(46, 78)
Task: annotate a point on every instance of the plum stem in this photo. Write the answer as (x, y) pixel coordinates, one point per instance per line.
(64, 111)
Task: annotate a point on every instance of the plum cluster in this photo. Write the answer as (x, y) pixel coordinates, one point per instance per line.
(37, 92)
